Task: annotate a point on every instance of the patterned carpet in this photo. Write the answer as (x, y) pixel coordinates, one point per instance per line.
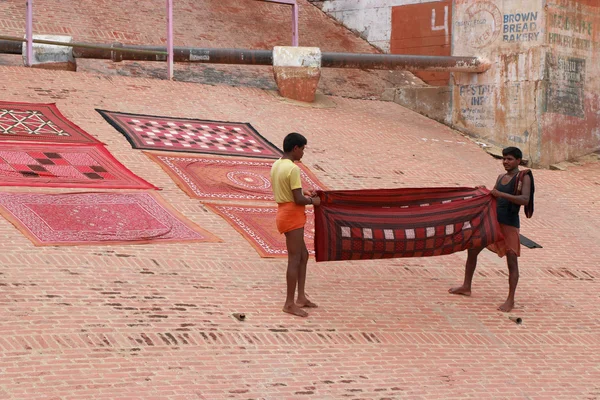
(226, 178)
(98, 218)
(40, 123)
(60, 165)
(191, 135)
(257, 226)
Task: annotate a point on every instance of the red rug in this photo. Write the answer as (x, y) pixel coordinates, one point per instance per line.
(191, 135)
(257, 226)
(98, 218)
(226, 178)
(373, 224)
(39, 123)
(56, 165)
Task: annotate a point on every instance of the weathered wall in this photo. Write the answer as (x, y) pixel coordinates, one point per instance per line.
(500, 105)
(432, 101)
(423, 29)
(542, 93)
(570, 117)
(372, 19)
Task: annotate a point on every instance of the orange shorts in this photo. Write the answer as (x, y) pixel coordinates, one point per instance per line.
(511, 242)
(290, 216)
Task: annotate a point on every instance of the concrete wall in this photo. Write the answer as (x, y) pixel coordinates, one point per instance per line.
(570, 114)
(542, 93)
(500, 106)
(372, 19)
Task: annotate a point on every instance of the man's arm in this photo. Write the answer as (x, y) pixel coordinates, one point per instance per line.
(302, 200)
(299, 195)
(522, 199)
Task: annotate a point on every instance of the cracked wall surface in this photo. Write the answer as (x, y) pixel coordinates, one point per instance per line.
(542, 92)
(570, 95)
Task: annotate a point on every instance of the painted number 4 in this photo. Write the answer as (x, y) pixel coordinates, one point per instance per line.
(444, 27)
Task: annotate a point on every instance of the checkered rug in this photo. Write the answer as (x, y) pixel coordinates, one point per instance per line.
(226, 178)
(32, 122)
(257, 226)
(191, 135)
(98, 218)
(57, 165)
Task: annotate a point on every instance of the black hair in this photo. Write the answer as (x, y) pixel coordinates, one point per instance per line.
(292, 140)
(513, 151)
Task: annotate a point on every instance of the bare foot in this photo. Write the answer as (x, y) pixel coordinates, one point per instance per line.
(460, 290)
(295, 310)
(306, 303)
(507, 306)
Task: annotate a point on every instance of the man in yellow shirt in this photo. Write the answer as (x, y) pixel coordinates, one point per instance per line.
(291, 218)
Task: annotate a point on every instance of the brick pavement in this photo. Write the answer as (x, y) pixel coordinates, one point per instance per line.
(154, 321)
(208, 23)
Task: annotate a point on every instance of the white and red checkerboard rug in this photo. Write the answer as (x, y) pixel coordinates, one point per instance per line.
(191, 135)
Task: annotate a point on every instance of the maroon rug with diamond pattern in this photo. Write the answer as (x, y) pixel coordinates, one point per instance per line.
(59, 165)
(191, 135)
(32, 122)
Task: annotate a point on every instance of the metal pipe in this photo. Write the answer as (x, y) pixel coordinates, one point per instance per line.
(29, 33)
(295, 24)
(516, 320)
(117, 47)
(181, 54)
(11, 46)
(329, 60)
(118, 52)
(406, 62)
(170, 38)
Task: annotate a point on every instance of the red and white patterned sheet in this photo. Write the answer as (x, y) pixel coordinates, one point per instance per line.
(61, 165)
(35, 122)
(98, 218)
(226, 178)
(257, 226)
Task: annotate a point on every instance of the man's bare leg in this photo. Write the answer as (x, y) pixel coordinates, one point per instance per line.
(294, 241)
(470, 266)
(302, 300)
(513, 279)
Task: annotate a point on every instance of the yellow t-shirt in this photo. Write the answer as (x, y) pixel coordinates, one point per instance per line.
(285, 177)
